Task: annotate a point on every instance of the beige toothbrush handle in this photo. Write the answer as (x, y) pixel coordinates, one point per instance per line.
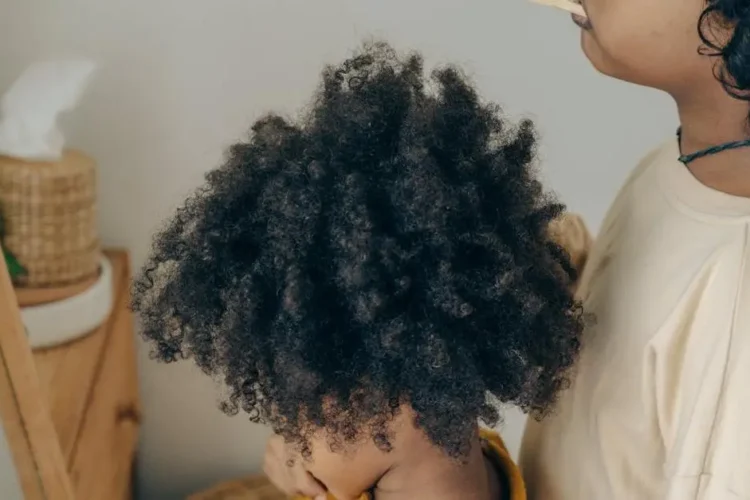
(566, 5)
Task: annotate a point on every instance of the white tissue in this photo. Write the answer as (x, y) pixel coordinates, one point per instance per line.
(30, 108)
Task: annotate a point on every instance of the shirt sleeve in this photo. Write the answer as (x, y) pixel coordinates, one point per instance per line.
(703, 392)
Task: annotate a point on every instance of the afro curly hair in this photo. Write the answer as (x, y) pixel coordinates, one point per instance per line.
(733, 52)
(388, 248)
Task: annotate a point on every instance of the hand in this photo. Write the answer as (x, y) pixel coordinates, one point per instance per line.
(288, 473)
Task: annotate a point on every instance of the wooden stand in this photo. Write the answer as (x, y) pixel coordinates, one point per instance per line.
(91, 389)
(26, 422)
(71, 413)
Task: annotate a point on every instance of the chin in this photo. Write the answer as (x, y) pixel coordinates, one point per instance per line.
(602, 62)
(629, 69)
(593, 52)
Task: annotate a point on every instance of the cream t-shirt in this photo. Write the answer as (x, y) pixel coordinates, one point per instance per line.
(659, 406)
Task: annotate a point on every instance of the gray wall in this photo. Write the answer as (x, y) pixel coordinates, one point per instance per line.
(180, 79)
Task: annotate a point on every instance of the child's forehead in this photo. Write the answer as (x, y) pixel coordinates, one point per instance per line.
(354, 466)
(348, 472)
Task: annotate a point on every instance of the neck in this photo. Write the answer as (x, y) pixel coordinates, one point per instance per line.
(426, 472)
(717, 118)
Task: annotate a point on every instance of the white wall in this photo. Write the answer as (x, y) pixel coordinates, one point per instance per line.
(181, 79)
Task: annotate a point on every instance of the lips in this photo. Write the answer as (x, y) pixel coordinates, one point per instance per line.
(582, 22)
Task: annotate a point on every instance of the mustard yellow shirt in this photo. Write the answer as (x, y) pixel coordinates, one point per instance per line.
(496, 451)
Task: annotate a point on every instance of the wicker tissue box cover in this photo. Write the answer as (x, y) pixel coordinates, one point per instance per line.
(49, 211)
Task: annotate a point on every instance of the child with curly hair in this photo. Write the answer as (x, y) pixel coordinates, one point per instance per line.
(372, 280)
(658, 404)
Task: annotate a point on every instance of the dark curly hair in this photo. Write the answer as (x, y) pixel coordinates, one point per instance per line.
(733, 52)
(388, 248)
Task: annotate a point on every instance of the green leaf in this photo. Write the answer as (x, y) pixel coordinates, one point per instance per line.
(15, 269)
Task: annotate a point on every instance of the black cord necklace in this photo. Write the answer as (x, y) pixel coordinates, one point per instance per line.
(686, 159)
